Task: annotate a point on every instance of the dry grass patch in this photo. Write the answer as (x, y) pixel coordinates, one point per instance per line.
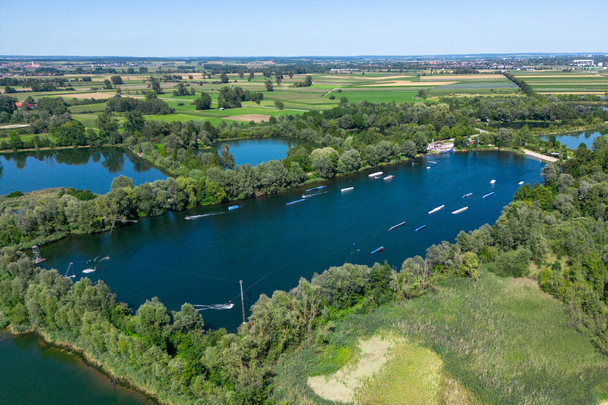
(399, 83)
(526, 282)
(461, 77)
(412, 375)
(341, 386)
(539, 76)
(600, 93)
(453, 393)
(96, 96)
(249, 117)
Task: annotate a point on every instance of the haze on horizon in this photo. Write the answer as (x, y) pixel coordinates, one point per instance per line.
(274, 28)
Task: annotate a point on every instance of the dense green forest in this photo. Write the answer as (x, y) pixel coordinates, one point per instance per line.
(555, 233)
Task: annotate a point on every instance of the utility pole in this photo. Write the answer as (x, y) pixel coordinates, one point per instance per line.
(242, 301)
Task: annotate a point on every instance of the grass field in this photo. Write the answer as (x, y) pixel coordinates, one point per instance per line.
(501, 340)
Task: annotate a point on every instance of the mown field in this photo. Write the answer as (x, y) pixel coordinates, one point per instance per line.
(575, 82)
(500, 341)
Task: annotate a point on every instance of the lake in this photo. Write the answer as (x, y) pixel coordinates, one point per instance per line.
(258, 150)
(574, 139)
(32, 372)
(270, 246)
(82, 168)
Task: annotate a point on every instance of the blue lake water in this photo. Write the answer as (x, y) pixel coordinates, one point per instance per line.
(83, 168)
(574, 139)
(270, 246)
(255, 151)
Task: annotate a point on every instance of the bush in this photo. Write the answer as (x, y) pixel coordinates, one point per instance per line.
(15, 194)
(513, 263)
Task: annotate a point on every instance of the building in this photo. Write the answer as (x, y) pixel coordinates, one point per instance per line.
(583, 62)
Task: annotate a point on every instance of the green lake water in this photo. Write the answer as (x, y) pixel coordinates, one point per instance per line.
(32, 372)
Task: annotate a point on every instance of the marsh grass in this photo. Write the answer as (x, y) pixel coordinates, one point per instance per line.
(501, 341)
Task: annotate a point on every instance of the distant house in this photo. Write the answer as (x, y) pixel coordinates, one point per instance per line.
(29, 105)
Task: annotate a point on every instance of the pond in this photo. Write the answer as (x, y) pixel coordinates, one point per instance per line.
(82, 168)
(258, 150)
(574, 139)
(32, 372)
(270, 245)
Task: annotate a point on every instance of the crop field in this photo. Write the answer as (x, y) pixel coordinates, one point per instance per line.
(577, 82)
(375, 87)
(376, 96)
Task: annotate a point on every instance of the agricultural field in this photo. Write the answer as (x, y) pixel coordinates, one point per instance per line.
(575, 82)
(374, 87)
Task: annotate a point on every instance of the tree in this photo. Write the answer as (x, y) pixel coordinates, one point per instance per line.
(323, 166)
(226, 158)
(54, 106)
(224, 77)
(203, 102)
(350, 161)
(409, 149)
(268, 85)
(15, 140)
(107, 124)
(504, 138)
(308, 81)
(107, 84)
(470, 265)
(279, 104)
(122, 182)
(155, 85)
(134, 121)
(250, 76)
(151, 319)
(421, 141)
(279, 80)
(116, 80)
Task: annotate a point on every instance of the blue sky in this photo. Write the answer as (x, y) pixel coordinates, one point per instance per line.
(316, 27)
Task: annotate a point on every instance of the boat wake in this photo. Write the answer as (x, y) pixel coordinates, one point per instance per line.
(216, 306)
(314, 194)
(204, 215)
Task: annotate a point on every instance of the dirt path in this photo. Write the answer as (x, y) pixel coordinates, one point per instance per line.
(541, 157)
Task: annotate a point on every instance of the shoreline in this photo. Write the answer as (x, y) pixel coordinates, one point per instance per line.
(88, 361)
(540, 156)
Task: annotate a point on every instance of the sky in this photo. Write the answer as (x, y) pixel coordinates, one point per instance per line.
(156, 28)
